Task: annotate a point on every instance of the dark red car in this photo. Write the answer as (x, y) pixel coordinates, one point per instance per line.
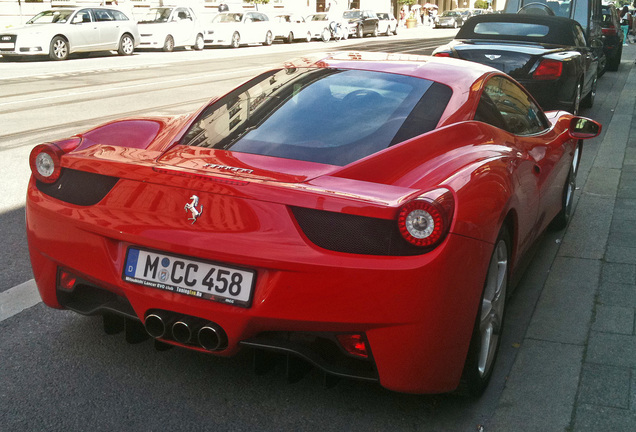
(363, 212)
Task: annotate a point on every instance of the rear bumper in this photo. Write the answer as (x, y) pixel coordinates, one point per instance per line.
(416, 312)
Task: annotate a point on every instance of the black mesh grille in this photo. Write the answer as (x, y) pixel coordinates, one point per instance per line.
(79, 187)
(363, 235)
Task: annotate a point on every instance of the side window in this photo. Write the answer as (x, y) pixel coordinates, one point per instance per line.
(487, 112)
(83, 16)
(520, 114)
(119, 16)
(102, 15)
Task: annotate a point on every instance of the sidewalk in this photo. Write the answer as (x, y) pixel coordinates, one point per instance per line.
(576, 366)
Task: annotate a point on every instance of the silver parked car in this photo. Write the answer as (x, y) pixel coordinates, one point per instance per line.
(60, 32)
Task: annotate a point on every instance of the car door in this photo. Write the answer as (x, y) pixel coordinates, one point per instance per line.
(83, 33)
(504, 105)
(590, 57)
(108, 28)
(545, 168)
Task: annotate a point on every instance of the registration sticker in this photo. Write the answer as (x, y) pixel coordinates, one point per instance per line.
(188, 276)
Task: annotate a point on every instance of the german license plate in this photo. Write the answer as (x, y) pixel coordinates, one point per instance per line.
(7, 45)
(190, 277)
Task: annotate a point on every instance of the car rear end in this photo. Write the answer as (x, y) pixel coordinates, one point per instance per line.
(218, 247)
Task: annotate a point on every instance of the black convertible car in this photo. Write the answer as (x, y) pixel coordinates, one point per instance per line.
(548, 55)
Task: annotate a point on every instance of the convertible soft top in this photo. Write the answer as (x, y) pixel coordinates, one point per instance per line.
(549, 29)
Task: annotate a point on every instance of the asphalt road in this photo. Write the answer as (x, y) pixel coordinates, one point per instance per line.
(59, 371)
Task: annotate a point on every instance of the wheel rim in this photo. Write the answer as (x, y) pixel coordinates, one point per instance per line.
(127, 45)
(268, 38)
(169, 44)
(571, 186)
(59, 48)
(235, 40)
(199, 43)
(492, 307)
(308, 36)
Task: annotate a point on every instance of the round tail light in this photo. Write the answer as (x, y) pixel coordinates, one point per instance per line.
(45, 159)
(425, 221)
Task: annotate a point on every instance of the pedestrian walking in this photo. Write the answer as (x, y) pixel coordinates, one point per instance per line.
(626, 23)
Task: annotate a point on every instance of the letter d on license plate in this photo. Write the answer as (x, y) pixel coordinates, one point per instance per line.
(190, 277)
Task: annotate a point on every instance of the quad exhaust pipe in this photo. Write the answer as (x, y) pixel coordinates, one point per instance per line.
(186, 330)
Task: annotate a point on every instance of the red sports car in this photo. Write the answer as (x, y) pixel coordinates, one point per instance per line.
(360, 212)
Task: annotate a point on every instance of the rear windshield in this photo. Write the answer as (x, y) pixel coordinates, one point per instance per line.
(512, 29)
(331, 116)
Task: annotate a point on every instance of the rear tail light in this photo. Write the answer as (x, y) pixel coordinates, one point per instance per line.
(442, 54)
(609, 31)
(67, 280)
(45, 159)
(354, 344)
(425, 221)
(548, 70)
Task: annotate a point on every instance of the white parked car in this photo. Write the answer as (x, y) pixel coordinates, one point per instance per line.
(234, 29)
(320, 24)
(60, 32)
(170, 27)
(387, 23)
(291, 27)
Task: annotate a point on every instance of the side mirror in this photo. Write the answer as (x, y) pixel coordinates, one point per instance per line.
(584, 128)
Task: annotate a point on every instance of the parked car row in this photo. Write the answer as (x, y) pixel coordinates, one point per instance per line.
(60, 32)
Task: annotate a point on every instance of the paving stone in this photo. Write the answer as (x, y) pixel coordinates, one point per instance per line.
(633, 391)
(619, 273)
(605, 385)
(614, 319)
(565, 307)
(594, 418)
(611, 349)
(623, 226)
(621, 254)
(602, 182)
(624, 209)
(590, 224)
(525, 405)
(617, 294)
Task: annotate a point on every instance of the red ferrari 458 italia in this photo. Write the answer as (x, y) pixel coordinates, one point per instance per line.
(359, 212)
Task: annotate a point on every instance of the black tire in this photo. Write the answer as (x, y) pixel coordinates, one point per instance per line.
(614, 62)
(562, 219)
(395, 31)
(126, 45)
(268, 39)
(489, 322)
(199, 43)
(59, 49)
(290, 38)
(359, 32)
(588, 100)
(168, 45)
(236, 40)
(376, 31)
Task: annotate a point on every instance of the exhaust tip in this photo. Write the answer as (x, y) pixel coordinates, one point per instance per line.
(155, 325)
(182, 331)
(212, 337)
